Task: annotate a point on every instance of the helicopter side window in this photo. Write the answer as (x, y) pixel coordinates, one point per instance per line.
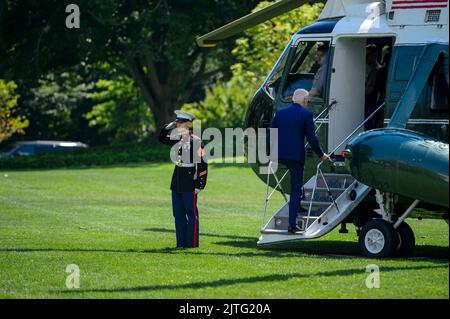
(438, 101)
(308, 70)
(274, 81)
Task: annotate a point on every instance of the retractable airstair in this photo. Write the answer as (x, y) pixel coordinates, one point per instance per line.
(328, 197)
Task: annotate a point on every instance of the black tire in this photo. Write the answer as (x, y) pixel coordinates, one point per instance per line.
(407, 240)
(388, 241)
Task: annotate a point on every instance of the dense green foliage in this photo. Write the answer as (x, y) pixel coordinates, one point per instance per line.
(100, 103)
(152, 42)
(116, 224)
(55, 106)
(9, 122)
(118, 109)
(93, 103)
(95, 84)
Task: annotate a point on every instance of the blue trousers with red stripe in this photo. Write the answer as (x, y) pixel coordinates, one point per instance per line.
(185, 211)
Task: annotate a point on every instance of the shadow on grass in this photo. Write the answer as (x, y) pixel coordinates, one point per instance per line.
(247, 280)
(167, 251)
(319, 252)
(165, 230)
(311, 247)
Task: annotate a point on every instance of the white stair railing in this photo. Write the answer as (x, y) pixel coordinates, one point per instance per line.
(319, 171)
(268, 196)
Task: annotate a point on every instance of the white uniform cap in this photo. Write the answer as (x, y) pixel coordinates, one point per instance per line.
(299, 96)
(183, 115)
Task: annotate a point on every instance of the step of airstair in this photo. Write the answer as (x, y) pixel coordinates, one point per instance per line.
(323, 212)
(321, 194)
(333, 180)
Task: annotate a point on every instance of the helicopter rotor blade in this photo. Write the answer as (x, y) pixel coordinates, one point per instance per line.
(278, 8)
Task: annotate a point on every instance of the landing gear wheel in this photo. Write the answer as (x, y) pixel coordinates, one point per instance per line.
(407, 240)
(378, 239)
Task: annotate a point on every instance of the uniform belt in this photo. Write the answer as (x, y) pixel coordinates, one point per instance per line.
(184, 164)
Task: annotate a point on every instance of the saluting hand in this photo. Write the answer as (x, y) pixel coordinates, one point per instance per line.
(171, 125)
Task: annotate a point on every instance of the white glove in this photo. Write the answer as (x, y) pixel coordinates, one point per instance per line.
(197, 190)
(171, 125)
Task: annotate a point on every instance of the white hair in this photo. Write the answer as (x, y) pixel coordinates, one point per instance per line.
(299, 96)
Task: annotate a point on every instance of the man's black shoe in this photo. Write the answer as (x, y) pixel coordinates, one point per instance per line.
(294, 230)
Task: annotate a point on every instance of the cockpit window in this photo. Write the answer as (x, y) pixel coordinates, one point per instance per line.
(274, 80)
(308, 70)
(438, 101)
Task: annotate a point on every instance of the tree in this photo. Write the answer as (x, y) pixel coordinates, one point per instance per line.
(258, 51)
(52, 104)
(225, 103)
(9, 123)
(91, 103)
(120, 112)
(153, 41)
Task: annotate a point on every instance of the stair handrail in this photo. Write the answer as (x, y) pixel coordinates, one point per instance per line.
(327, 108)
(321, 162)
(355, 130)
(318, 117)
(268, 196)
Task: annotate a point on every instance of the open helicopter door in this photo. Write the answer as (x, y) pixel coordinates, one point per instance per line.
(347, 86)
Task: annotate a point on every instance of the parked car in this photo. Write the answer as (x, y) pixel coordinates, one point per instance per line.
(39, 147)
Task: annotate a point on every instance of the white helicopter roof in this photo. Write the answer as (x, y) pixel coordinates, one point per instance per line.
(401, 12)
(341, 8)
(410, 21)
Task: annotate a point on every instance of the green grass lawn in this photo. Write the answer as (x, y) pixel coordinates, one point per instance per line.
(116, 224)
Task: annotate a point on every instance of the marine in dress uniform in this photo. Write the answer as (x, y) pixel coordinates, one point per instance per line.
(188, 178)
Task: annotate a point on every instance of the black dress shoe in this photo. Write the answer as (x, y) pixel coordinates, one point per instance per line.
(294, 230)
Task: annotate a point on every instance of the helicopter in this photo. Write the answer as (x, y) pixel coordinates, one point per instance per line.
(389, 144)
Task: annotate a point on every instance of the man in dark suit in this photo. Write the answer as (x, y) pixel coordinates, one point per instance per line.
(294, 123)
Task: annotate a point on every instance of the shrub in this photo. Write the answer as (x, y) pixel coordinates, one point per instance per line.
(146, 151)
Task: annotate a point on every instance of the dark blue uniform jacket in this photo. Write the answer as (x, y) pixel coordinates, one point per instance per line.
(186, 179)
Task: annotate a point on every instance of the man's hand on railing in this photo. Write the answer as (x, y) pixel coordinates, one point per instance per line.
(326, 157)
